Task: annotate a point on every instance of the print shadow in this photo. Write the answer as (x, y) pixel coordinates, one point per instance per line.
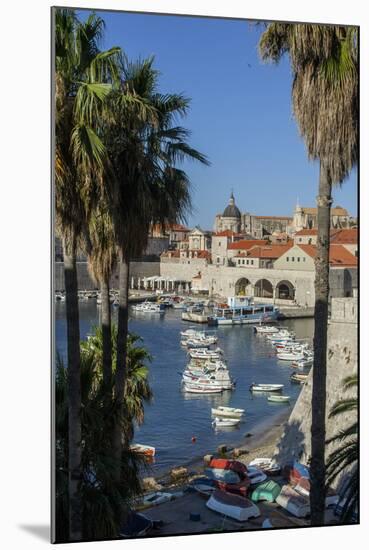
(40, 531)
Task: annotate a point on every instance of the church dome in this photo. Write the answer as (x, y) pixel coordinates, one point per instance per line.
(231, 211)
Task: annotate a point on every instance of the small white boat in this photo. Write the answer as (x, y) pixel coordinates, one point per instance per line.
(266, 387)
(266, 329)
(225, 422)
(299, 378)
(232, 506)
(195, 388)
(230, 412)
(279, 398)
(205, 353)
(149, 307)
(303, 363)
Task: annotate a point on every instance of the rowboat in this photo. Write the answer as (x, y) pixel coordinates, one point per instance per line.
(204, 485)
(143, 449)
(293, 502)
(299, 378)
(302, 363)
(227, 411)
(233, 506)
(196, 388)
(227, 464)
(225, 422)
(269, 490)
(255, 475)
(267, 465)
(266, 387)
(221, 474)
(279, 398)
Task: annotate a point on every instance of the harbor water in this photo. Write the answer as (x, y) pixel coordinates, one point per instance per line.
(175, 418)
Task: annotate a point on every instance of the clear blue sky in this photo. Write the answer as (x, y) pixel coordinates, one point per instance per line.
(240, 115)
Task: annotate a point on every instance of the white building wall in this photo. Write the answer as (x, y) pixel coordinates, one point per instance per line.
(295, 259)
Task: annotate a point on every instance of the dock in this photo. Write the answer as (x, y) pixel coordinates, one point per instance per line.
(194, 317)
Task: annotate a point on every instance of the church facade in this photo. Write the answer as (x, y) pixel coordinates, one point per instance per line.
(258, 227)
(245, 223)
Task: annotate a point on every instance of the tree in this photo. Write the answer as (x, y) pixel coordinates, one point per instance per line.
(145, 147)
(324, 63)
(344, 458)
(102, 259)
(103, 500)
(83, 77)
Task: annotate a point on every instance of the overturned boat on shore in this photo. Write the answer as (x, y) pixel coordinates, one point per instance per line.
(233, 506)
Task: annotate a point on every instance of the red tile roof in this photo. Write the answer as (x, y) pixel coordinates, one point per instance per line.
(303, 232)
(226, 233)
(270, 251)
(338, 255)
(345, 236)
(246, 244)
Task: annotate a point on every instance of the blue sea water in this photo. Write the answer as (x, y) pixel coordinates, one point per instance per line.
(174, 417)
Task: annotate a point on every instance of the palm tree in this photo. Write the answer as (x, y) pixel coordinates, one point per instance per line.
(346, 456)
(102, 259)
(83, 77)
(103, 500)
(325, 103)
(137, 388)
(145, 147)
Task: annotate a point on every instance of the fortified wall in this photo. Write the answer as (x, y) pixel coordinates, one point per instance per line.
(342, 361)
(85, 282)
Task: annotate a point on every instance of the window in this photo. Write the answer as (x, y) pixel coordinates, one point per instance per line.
(247, 262)
(287, 259)
(252, 262)
(303, 259)
(219, 244)
(243, 262)
(293, 258)
(298, 258)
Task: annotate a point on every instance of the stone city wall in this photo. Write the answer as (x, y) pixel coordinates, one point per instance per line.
(342, 361)
(85, 282)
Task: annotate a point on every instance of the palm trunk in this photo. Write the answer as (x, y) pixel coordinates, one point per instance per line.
(74, 393)
(317, 494)
(106, 335)
(121, 368)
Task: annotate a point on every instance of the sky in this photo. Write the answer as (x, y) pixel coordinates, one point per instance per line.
(240, 113)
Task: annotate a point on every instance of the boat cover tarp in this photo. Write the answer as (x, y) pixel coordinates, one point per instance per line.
(269, 490)
(225, 464)
(219, 474)
(135, 525)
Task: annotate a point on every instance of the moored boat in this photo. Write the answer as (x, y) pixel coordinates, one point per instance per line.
(225, 422)
(196, 388)
(241, 310)
(279, 398)
(227, 411)
(266, 387)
